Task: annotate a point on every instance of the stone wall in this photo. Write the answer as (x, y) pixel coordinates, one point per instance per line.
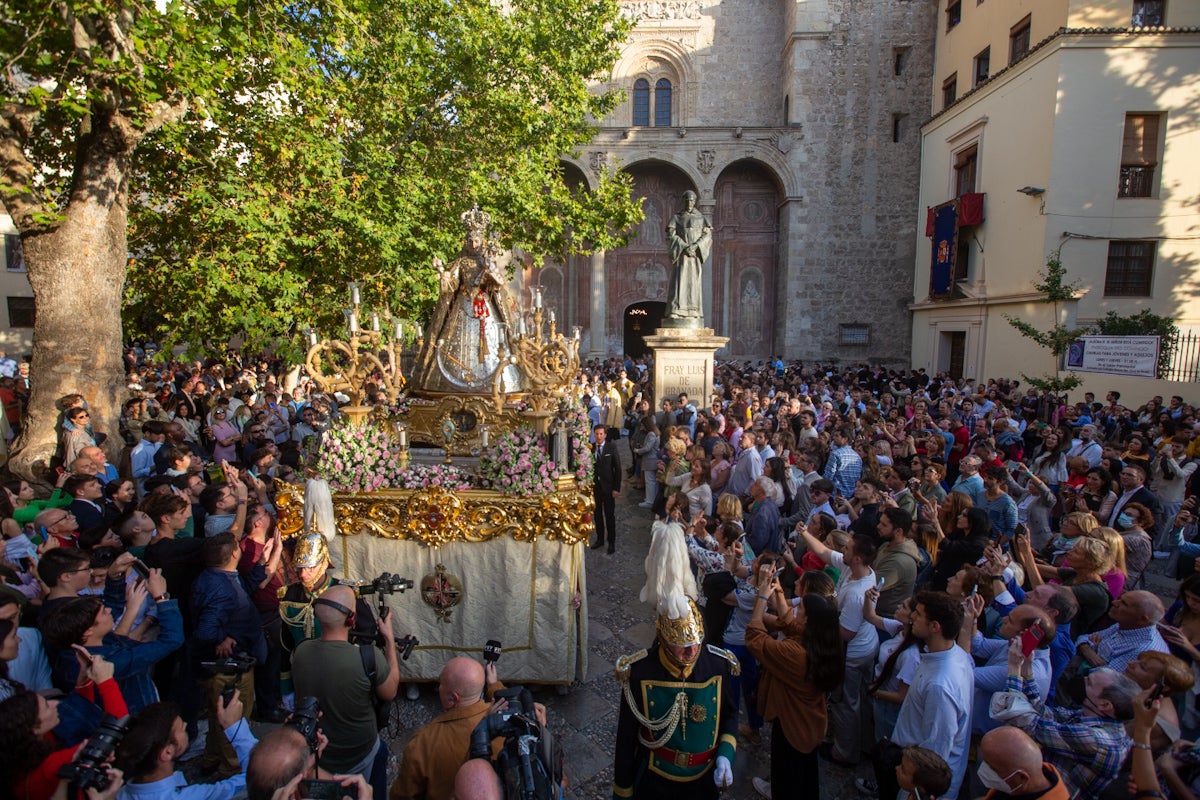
(845, 193)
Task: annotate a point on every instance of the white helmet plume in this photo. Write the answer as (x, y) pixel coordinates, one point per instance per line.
(669, 580)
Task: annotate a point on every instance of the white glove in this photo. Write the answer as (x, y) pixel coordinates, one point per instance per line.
(723, 774)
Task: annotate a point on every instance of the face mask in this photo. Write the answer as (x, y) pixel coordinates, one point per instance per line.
(1124, 521)
(991, 780)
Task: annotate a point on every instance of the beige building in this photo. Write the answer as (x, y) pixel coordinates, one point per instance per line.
(16, 314)
(1079, 122)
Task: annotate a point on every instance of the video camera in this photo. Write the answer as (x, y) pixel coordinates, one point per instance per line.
(90, 769)
(236, 664)
(387, 583)
(530, 764)
(306, 720)
(366, 631)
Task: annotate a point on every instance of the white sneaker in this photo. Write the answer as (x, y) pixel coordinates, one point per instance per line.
(412, 692)
(762, 787)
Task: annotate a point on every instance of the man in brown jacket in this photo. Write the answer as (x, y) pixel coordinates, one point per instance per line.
(436, 751)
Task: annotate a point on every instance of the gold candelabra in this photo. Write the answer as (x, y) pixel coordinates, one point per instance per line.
(346, 365)
(548, 359)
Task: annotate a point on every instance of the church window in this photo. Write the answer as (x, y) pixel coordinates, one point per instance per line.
(641, 102)
(662, 103)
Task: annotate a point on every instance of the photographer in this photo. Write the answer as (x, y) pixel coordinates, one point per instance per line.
(30, 754)
(436, 751)
(283, 759)
(157, 738)
(226, 622)
(335, 672)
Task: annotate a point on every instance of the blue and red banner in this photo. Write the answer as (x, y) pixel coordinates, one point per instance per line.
(943, 227)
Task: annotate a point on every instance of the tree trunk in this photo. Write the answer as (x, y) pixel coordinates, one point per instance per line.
(77, 271)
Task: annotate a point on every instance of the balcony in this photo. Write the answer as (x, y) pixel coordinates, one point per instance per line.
(1136, 182)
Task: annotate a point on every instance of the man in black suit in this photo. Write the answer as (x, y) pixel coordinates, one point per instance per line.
(605, 488)
(1133, 478)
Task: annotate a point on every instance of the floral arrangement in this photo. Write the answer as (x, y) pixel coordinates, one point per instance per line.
(447, 476)
(574, 419)
(358, 459)
(517, 464)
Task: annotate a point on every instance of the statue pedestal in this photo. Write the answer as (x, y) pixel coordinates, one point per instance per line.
(683, 362)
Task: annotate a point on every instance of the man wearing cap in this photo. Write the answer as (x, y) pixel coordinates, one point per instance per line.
(676, 734)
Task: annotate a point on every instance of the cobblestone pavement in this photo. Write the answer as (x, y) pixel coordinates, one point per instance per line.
(585, 718)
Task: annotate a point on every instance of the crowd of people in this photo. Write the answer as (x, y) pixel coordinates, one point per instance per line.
(983, 546)
(896, 566)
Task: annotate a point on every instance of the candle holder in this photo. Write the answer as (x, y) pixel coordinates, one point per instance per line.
(346, 365)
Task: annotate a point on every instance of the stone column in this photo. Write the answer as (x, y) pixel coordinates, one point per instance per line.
(598, 336)
(707, 209)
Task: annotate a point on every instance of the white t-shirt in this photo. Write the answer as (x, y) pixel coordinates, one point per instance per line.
(850, 594)
(906, 664)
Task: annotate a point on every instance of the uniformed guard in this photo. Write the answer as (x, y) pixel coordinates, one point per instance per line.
(311, 562)
(677, 731)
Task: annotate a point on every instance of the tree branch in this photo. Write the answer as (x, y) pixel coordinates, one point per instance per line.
(22, 203)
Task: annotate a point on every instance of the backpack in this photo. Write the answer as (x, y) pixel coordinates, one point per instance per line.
(382, 708)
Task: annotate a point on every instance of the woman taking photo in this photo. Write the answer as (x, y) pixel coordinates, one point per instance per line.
(1096, 496)
(693, 496)
(797, 672)
(963, 545)
(1086, 563)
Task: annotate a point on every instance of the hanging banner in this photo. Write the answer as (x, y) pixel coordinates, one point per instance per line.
(1136, 356)
(945, 250)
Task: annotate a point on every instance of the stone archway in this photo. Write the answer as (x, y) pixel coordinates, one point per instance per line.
(639, 271)
(745, 259)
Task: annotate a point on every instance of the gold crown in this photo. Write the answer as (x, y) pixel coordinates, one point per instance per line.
(477, 220)
(681, 632)
(311, 551)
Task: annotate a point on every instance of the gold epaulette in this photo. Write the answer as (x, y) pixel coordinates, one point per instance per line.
(625, 662)
(735, 668)
(280, 592)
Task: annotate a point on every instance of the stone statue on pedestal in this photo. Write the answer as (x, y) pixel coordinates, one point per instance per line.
(689, 241)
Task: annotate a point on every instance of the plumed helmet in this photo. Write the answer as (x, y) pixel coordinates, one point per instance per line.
(311, 551)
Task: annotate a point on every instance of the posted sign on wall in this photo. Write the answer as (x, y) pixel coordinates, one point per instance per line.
(1136, 356)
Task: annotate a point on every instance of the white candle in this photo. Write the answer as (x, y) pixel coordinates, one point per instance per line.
(551, 316)
(353, 322)
(537, 298)
(375, 322)
(312, 337)
(484, 436)
(575, 332)
(354, 297)
(420, 332)
(399, 331)
(403, 437)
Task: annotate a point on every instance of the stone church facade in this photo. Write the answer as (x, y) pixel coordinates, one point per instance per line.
(796, 122)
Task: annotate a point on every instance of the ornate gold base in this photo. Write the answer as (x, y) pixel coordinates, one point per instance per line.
(436, 516)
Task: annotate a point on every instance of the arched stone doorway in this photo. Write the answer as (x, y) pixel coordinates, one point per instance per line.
(745, 258)
(638, 273)
(640, 320)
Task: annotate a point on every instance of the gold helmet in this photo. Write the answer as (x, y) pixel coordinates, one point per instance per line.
(682, 631)
(671, 587)
(311, 551)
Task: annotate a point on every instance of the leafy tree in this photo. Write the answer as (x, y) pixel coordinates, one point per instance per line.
(225, 166)
(1144, 323)
(1057, 339)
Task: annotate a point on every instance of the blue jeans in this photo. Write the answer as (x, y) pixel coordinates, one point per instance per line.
(746, 684)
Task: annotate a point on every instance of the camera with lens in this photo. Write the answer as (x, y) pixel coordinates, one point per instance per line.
(387, 583)
(236, 664)
(306, 720)
(90, 769)
(530, 764)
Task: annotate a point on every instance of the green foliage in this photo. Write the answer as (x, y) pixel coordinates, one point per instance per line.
(280, 150)
(1144, 323)
(1057, 339)
(255, 224)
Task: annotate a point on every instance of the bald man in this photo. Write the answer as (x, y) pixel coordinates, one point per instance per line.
(477, 780)
(281, 759)
(332, 670)
(435, 753)
(1012, 760)
(1135, 616)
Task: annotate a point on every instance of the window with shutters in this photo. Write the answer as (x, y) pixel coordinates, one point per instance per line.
(1018, 39)
(1139, 155)
(966, 165)
(949, 90)
(983, 63)
(1130, 270)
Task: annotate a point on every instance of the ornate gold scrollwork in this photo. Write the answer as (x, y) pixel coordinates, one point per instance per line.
(436, 516)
